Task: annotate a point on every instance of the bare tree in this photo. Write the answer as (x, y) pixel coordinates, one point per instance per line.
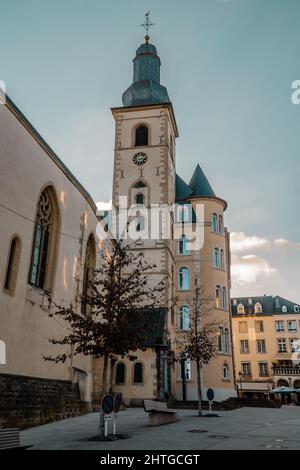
(200, 342)
(118, 298)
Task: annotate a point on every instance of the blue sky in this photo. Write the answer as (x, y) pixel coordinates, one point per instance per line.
(228, 66)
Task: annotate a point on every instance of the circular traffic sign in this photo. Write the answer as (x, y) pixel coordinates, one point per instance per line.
(107, 404)
(210, 394)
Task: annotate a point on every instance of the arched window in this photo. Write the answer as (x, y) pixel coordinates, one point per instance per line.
(214, 223)
(182, 213)
(89, 267)
(241, 308)
(185, 318)
(216, 257)
(184, 279)
(221, 228)
(284, 309)
(225, 372)
(222, 259)
(12, 266)
(224, 298)
(296, 308)
(220, 340)
(45, 240)
(140, 199)
(226, 341)
(138, 373)
(139, 184)
(120, 373)
(183, 246)
(257, 308)
(218, 297)
(141, 136)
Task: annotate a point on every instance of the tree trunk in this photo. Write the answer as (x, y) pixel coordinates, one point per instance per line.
(104, 374)
(199, 388)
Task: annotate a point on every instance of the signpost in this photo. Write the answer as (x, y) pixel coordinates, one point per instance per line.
(107, 407)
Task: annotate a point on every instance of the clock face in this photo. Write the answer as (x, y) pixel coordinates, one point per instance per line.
(140, 158)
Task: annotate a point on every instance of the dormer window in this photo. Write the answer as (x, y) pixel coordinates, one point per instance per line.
(296, 308)
(141, 136)
(258, 308)
(241, 308)
(284, 309)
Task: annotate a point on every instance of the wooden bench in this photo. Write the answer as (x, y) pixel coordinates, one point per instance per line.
(10, 439)
(159, 413)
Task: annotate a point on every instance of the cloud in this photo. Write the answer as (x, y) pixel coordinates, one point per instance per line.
(248, 268)
(283, 243)
(241, 242)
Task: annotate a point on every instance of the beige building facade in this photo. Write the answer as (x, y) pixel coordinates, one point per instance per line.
(266, 339)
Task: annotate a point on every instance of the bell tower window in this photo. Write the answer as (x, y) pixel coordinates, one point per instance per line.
(141, 136)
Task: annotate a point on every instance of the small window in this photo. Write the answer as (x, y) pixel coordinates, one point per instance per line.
(120, 373)
(225, 372)
(184, 279)
(226, 341)
(12, 266)
(220, 340)
(138, 373)
(218, 297)
(224, 298)
(216, 258)
(250, 301)
(243, 327)
(185, 318)
(221, 228)
(234, 302)
(140, 199)
(296, 308)
(214, 223)
(241, 308)
(222, 260)
(258, 308)
(141, 136)
(284, 309)
(183, 246)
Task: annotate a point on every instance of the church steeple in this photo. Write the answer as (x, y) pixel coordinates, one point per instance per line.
(146, 87)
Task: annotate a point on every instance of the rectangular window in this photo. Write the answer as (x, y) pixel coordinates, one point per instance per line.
(279, 325)
(243, 327)
(292, 325)
(263, 369)
(261, 345)
(244, 346)
(259, 326)
(281, 344)
(294, 345)
(246, 369)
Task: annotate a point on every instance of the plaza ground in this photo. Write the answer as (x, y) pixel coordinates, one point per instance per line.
(245, 428)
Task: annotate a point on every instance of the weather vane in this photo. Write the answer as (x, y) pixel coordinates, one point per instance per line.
(147, 25)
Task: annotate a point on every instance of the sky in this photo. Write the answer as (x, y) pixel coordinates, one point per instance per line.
(228, 66)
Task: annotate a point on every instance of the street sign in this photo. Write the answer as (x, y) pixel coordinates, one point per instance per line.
(107, 404)
(210, 394)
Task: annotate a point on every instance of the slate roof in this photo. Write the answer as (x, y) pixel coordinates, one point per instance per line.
(197, 187)
(271, 305)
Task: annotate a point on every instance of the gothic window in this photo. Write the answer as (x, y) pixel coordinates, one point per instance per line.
(184, 279)
(185, 318)
(183, 245)
(141, 136)
(222, 259)
(138, 373)
(45, 238)
(214, 223)
(216, 257)
(218, 297)
(221, 224)
(12, 266)
(89, 266)
(140, 199)
(120, 373)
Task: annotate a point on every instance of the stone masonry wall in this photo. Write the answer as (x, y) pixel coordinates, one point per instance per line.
(29, 401)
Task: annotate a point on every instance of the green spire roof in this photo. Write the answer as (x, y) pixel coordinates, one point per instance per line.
(146, 87)
(183, 191)
(200, 185)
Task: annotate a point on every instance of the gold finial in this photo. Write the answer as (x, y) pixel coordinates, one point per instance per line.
(147, 25)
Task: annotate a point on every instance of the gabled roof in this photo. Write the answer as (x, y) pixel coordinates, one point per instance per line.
(200, 185)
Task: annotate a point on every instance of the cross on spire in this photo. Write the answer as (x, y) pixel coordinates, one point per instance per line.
(147, 25)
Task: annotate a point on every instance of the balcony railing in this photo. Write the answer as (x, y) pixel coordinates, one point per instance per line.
(277, 370)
